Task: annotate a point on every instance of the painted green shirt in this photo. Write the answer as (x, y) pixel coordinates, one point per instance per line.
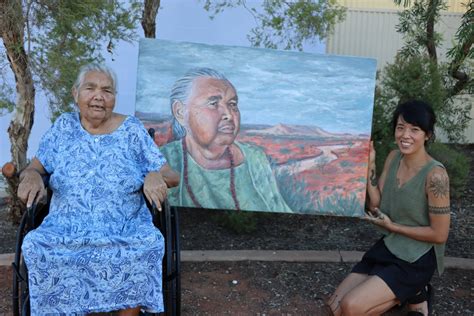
(408, 205)
(255, 184)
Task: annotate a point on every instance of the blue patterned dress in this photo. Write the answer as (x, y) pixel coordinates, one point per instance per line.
(97, 250)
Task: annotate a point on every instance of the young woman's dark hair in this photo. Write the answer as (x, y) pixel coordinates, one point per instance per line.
(418, 113)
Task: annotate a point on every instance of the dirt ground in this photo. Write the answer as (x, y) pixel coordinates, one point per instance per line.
(279, 288)
(276, 288)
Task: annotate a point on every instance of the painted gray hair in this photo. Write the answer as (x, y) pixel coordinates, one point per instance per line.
(98, 68)
(182, 88)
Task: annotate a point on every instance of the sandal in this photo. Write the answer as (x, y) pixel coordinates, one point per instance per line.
(424, 295)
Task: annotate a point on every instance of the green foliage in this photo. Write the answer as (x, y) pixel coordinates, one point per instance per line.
(417, 74)
(413, 25)
(239, 222)
(7, 103)
(456, 163)
(341, 205)
(6, 97)
(464, 33)
(295, 193)
(462, 54)
(301, 199)
(416, 77)
(286, 24)
(64, 35)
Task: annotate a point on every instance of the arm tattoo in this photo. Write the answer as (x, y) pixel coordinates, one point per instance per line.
(439, 210)
(439, 186)
(373, 180)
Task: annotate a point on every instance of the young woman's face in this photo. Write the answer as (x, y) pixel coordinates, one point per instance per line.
(409, 138)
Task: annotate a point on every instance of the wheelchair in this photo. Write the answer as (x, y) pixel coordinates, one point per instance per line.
(166, 221)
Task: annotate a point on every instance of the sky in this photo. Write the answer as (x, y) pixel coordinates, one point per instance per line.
(177, 20)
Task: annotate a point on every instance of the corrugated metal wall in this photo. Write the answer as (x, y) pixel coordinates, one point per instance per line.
(371, 33)
(453, 5)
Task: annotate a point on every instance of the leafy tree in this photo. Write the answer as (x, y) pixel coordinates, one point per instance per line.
(286, 24)
(45, 43)
(417, 73)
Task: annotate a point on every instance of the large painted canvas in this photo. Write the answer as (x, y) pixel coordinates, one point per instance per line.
(257, 129)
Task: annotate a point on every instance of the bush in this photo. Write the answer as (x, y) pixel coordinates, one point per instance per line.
(456, 163)
(238, 221)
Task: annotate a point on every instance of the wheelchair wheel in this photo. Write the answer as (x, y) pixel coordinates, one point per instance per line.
(20, 297)
(31, 219)
(173, 276)
(168, 223)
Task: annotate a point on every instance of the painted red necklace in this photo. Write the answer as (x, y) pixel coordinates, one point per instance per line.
(232, 176)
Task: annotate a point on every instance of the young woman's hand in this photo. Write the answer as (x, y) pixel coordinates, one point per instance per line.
(378, 218)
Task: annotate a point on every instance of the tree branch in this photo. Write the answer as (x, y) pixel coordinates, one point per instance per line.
(460, 52)
(430, 41)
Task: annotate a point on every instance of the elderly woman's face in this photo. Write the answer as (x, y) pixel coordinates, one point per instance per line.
(212, 116)
(95, 97)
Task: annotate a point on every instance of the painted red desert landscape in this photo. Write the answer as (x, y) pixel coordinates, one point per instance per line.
(318, 172)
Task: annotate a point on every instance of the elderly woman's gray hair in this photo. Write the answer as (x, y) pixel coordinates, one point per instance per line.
(182, 88)
(98, 68)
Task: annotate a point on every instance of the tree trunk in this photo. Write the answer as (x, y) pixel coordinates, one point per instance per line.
(430, 23)
(12, 33)
(150, 11)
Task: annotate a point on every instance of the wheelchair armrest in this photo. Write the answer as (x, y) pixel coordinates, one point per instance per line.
(31, 211)
(10, 172)
(157, 214)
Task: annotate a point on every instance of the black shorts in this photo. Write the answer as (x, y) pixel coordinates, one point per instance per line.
(405, 279)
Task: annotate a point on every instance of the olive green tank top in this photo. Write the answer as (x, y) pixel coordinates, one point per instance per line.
(408, 205)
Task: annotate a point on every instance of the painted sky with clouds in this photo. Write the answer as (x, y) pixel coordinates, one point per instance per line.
(335, 93)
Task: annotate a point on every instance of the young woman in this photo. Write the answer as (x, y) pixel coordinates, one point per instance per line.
(410, 203)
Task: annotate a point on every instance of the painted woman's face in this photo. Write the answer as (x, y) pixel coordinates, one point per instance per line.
(212, 116)
(95, 97)
(409, 138)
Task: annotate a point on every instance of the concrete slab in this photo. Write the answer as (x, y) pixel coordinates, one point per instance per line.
(6, 259)
(351, 256)
(459, 263)
(260, 255)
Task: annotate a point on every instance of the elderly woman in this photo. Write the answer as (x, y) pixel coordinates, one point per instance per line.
(216, 171)
(97, 250)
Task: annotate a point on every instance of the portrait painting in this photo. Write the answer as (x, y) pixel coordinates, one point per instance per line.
(261, 130)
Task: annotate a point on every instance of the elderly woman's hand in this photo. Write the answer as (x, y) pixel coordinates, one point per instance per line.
(31, 188)
(155, 188)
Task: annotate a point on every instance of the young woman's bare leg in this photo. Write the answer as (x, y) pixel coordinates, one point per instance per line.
(350, 282)
(371, 297)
